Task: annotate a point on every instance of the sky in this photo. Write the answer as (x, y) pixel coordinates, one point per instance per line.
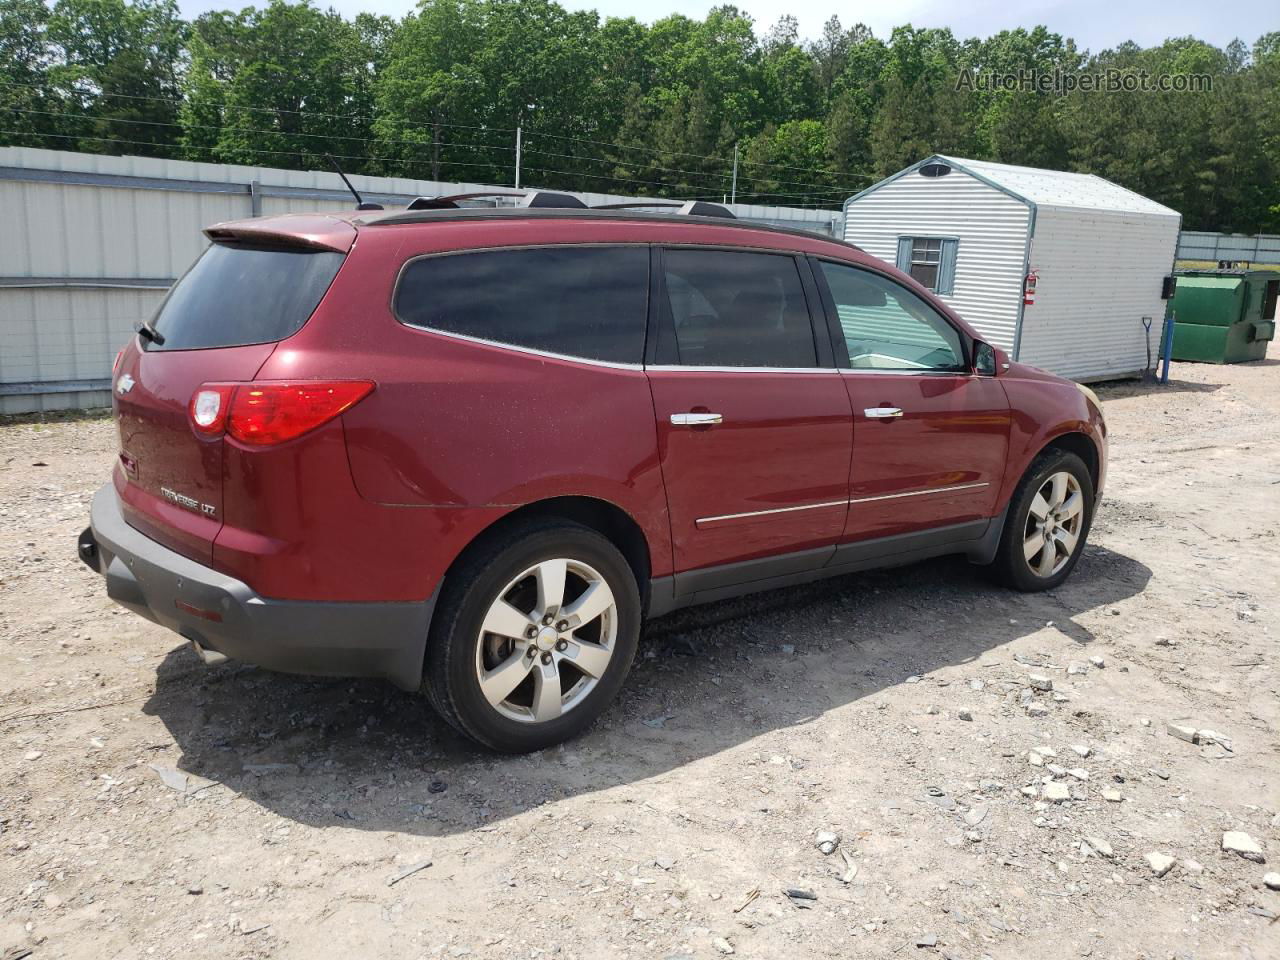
(1094, 24)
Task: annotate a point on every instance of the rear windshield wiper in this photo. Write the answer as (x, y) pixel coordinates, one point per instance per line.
(145, 329)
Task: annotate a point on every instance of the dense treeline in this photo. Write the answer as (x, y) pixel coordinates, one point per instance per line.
(624, 107)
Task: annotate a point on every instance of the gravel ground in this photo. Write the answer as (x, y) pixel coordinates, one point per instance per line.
(150, 806)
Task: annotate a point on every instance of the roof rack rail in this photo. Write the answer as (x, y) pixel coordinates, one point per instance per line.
(528, 198)
(688, 208)
(450, 202)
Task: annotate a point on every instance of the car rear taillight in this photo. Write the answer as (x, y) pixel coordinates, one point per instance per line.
(209, 406)
(267, 412)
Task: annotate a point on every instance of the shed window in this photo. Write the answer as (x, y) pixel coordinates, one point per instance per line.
(930, 260)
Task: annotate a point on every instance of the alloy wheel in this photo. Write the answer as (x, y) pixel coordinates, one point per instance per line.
(1054, 521)
(546, 640)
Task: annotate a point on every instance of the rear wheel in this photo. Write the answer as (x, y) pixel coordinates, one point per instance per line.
(534, 636)
(1048, 523)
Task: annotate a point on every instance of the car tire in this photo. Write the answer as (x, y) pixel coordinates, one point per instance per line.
(1041, 519)
(575, 648)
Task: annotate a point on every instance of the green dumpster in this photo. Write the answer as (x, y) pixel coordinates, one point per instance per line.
(1224, 316)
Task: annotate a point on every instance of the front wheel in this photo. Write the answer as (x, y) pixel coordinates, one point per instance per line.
(533, 637)
(1048, 523)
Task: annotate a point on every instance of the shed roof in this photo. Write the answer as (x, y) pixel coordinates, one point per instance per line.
(1056, 188)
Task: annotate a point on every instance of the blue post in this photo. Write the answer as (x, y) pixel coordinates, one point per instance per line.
(1166, 345)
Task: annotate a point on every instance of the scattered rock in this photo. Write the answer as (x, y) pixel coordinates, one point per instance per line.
(801, 897)
(1193, 867)
(1035, 759)
(723, 945)
(1271, 881)
(826, 841)
(1160, 863)
(664, 863)
(1182, 732)
(33, 755)
(1111, 795)
(1079, 773)
(933, 710)
(964, 715)
(437, 786)
(1100, 847)
(976, 814)
(788, 648)
(1098, 662)
(1081, 750)
(1029, 792)
(1038, 681)
(1056, 792)
(850, 867)
(1037, 710)
(1077, 669)
(1236, 841)
(1211, 737)
(1164, 642)
(180, 780)
(929, 940)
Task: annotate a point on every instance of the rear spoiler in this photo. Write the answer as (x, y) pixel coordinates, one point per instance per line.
(304, 231)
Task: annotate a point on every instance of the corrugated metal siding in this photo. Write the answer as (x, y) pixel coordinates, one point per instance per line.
(65, 334)
(992, 228)
(1099, 275)
(118, 231)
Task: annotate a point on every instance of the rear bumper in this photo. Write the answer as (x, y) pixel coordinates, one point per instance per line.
(223, 614)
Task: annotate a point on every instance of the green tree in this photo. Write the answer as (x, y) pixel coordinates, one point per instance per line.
(117, 70)
(280, 85)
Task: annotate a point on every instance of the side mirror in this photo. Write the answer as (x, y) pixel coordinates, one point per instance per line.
(984, 359)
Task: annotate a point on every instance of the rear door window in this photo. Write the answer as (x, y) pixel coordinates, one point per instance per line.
(588, 302)
(734, 309)
(237, 295)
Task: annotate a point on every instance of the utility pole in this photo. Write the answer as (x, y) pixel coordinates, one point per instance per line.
(519, 133)
(735, 174)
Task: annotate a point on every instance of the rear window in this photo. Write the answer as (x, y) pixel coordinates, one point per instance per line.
(588, 302)
(237, 295)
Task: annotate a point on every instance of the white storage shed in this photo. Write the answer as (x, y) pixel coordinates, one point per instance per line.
(974, 231)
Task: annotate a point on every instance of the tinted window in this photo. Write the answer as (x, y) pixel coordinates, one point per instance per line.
(738, 309)
(238, 295)
(887, 327)
(580, 301)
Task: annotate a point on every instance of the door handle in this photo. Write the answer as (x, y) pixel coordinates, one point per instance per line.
(882, 413)
(695, 419)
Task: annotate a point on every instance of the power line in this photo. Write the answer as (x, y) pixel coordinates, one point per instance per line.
(825, 192)
(509, 130)
(192, 146)
(694, 173)
(281, 133)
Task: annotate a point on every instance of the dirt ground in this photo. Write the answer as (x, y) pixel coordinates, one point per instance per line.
(150, 806)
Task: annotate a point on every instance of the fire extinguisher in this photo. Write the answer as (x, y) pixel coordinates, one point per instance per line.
(1029, 289)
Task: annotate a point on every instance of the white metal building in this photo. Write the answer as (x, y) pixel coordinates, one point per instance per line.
(91, 243)
(972, 231)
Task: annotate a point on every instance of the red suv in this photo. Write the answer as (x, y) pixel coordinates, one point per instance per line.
(469, 450)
